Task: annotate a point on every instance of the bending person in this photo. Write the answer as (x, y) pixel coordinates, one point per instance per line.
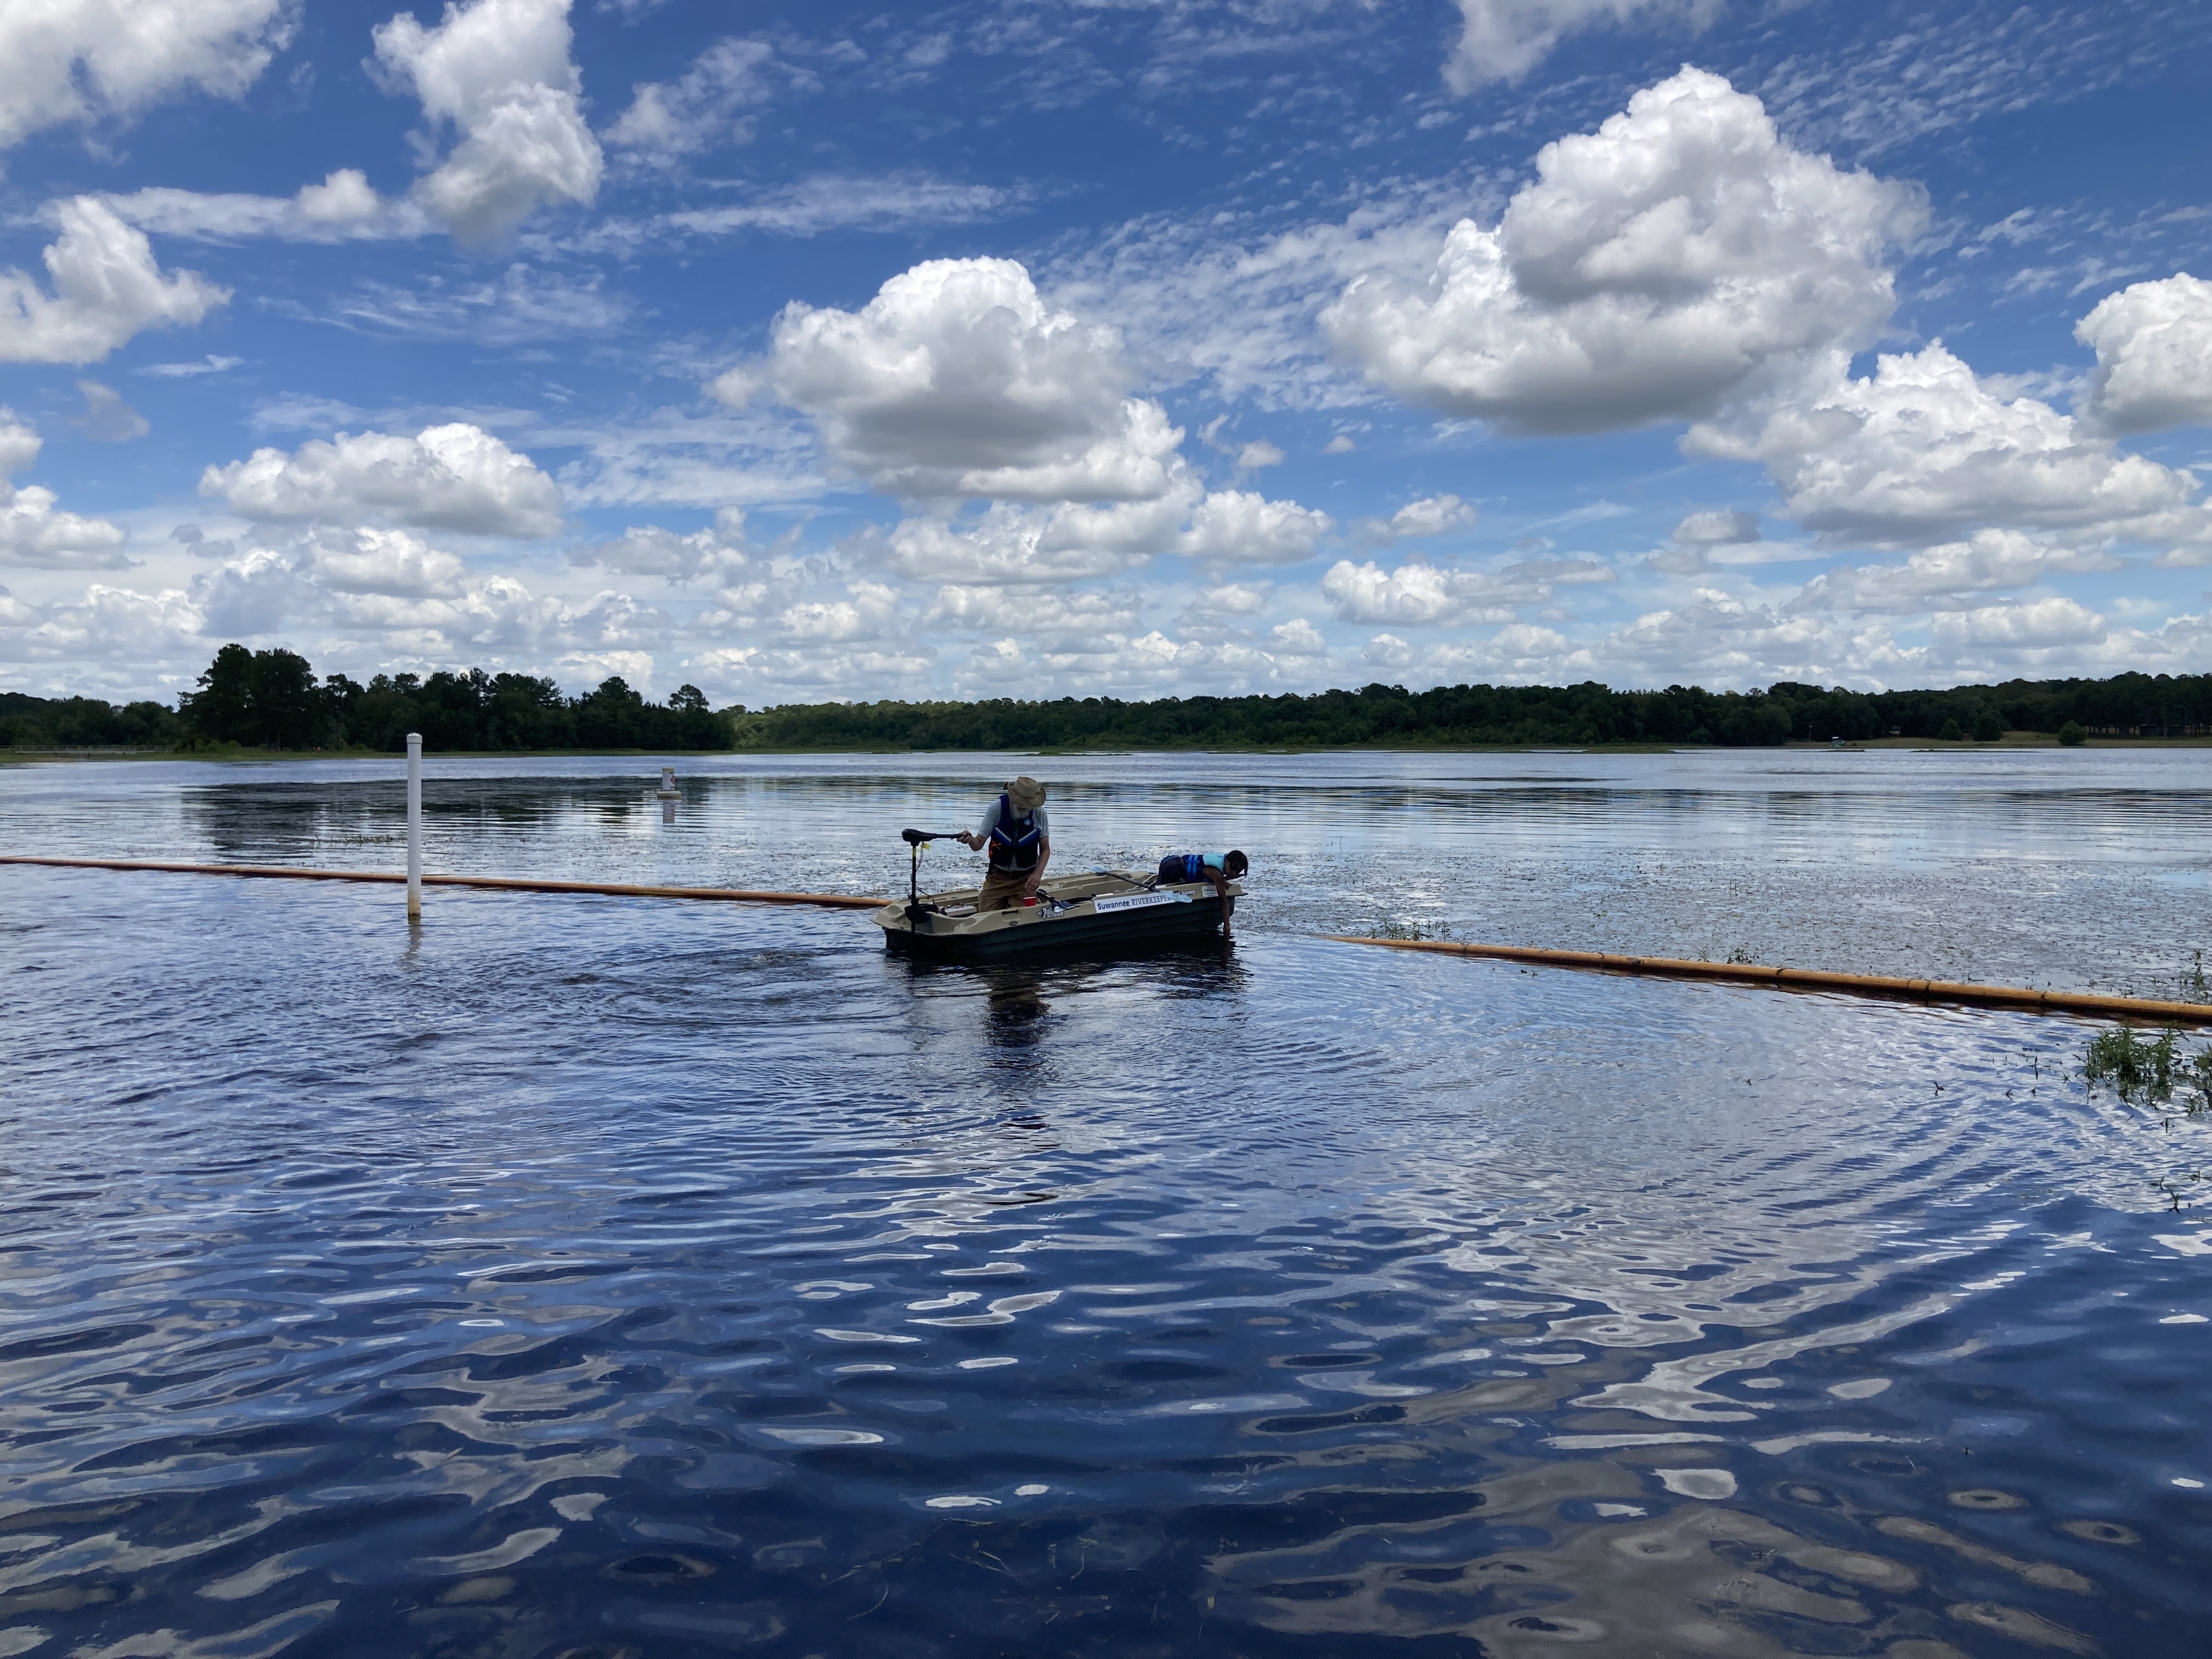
(1015, 829)
(1218, 868)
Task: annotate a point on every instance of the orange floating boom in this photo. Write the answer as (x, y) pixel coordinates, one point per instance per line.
(1813, 979)
(510, 883)
(1800, 979)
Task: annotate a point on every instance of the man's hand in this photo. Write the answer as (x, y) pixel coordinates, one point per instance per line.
(973, 842)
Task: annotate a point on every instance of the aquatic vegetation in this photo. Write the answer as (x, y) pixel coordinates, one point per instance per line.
(2175, 1189)
(2150, 1071)
(2192, 985)
(1390, 927)
(1736, 956)
(2137, 1069)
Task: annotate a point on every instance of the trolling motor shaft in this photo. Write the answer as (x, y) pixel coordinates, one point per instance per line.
(915, 839)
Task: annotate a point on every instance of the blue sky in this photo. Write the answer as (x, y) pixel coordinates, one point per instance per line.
(1030, 349)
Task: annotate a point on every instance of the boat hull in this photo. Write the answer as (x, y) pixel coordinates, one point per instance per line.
(1195, 923)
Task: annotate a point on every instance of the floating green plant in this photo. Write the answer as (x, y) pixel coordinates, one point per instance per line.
(2137, 1068)
(2150, 1070)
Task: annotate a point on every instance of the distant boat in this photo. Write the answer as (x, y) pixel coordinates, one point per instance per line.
(1103, 911)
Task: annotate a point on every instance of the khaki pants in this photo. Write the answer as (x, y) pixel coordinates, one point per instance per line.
(1003, 890)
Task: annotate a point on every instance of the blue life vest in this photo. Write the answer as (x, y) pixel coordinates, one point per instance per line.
(1187, 866)
(1014, 840)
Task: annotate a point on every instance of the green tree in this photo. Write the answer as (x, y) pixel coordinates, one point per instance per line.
(266, 698)
(222, 710)
(2072, 735)
(1988, 726)
(289, 712)
(611, 716)
(1950, 733)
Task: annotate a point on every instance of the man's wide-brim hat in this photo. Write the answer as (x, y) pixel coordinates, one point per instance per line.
(1026, 794)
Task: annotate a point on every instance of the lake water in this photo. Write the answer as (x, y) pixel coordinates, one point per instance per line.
(591, 1277)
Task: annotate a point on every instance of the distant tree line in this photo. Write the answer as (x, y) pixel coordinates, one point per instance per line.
(272, 700)
(86, 723)
(2128, 705)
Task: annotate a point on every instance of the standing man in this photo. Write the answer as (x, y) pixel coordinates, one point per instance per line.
(1015, 829)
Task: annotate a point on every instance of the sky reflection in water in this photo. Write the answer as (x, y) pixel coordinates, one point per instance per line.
(588, 1275)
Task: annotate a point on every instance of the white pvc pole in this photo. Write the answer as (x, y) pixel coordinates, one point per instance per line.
(413, 826)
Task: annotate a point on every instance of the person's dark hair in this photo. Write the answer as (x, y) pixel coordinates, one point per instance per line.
(1234, 865)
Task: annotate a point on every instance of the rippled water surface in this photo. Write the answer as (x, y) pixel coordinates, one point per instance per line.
(592, 1276)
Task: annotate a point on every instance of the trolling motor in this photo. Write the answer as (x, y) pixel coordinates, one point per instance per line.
(915, 840)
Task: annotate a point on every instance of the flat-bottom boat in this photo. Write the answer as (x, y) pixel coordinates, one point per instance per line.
(1103, 911)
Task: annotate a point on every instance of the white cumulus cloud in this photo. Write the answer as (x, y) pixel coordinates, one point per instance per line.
(1008, 544)
(1230, 599)
(869, 610)
(719, 550)
(19, 443)
(419, 598)
(498, 72)
(1518, 654)
(1387, 651)
(2043, 625)
(1149, 665)
(261, 591)
(1241, 526)
(1680, 256)
(34, 533)
(957, 379)
(1424, 595)
(457, 476)
(390, 562)
(1421, 595)
(1030, 611)
(82, 60)
(502, 613)
(2154, 346)
(116, 625)
(1947, 577)
(1923, 451)
(106, 287)
(811, 672)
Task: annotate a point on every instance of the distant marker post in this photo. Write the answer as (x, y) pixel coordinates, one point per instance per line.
(413, 826)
